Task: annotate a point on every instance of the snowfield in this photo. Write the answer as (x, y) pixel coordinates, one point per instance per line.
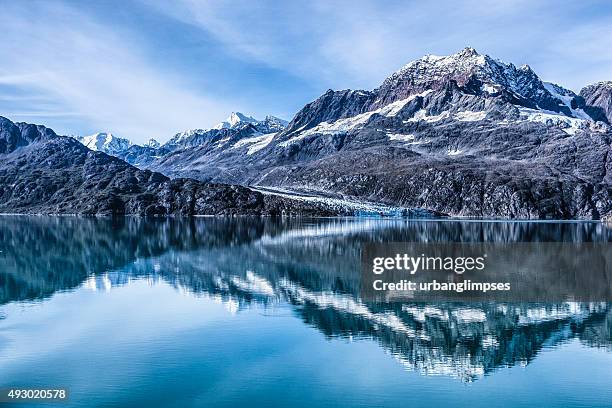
(255, 143)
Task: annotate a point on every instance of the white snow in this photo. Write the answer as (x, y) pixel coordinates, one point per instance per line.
(256, 143)
(454, 152)
(353, 122)
(152, 143)
(567, 124)
(105, 142)
(490, 89)
(219, 143)
(179, 137)
(421, 115)
(463, 116)
(566, 96)
(470, 116)
(234, 119)
(469, 315)
(400, 137)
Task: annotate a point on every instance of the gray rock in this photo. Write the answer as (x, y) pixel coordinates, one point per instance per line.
(598, 98)
(465, 135)
(41, 172)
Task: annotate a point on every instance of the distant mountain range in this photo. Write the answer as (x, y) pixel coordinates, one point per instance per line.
(237, 125)
(462, 135)
(43, 173)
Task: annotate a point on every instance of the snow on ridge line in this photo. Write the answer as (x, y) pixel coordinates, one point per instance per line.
(421, 115)
(255, 143)
(470, 116)
(347, 124)
(568, 124)
(104, 142)
(461, 116)
(566, 99)
(400, 137)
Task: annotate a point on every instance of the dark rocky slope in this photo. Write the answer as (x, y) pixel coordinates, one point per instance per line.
(598, 98)
(41, 172)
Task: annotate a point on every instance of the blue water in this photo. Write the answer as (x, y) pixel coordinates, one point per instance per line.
(258, 312)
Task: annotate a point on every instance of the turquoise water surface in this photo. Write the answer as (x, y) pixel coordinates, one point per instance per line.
(220, 312)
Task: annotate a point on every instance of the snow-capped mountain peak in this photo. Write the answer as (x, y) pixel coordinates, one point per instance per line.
(271, 124)
(475, 73)
(105, 142)
(234, 119)
(152, 143)
(567, 98)
(236, 125)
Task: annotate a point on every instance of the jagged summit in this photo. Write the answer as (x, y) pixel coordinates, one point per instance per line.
(466, 72)
(236, 126)
(237, 119)
(152, 143)
(234, 119)
(475, 73)
(598, 98)
(105, 142)
(16, 135)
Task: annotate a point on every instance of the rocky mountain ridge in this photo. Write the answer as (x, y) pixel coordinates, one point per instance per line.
(105, 142)
(236, 126)
(43, 173)
(462, 135)
(598, 98)
(465, 135)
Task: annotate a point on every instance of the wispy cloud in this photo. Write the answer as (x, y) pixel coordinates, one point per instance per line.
(357, 43)
(95, 72)
(149, 68)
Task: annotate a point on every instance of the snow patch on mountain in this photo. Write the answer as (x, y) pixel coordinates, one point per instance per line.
(421, 115)
(234, 119)
(566, 97)
(470, 116)
(567, 124)
(105, 142)
(255, 143)
(467, 68)
(346, 124)
(152, 143)
(400, 137)
(185, 135)
(463, 116)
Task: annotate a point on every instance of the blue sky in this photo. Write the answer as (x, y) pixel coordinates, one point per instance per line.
(149, 68)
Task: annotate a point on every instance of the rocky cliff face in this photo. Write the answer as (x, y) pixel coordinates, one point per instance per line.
(16, 135)
(598, 98)
(465, 135)
(41, 172)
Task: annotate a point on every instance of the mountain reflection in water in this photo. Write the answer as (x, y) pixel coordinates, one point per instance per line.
(312, 265)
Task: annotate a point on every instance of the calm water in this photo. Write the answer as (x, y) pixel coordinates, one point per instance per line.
(257, 312)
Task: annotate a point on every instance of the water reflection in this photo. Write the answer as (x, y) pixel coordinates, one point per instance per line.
(313, 265)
